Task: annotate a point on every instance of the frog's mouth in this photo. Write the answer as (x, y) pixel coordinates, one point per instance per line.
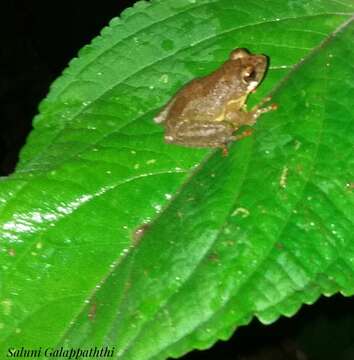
(261, 64)
(252, 85)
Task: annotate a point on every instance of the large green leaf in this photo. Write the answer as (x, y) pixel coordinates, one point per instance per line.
(257, 233)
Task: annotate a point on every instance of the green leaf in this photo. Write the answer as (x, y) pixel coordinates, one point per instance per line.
(257, 233)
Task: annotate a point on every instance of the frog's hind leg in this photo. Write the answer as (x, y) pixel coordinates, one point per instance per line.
(162, 115)
(201, 134)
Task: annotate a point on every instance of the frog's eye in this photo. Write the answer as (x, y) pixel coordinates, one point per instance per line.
(249, 74)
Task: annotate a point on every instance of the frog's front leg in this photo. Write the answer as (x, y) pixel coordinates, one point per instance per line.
(243, 117)
(201, 134)
(259, 109)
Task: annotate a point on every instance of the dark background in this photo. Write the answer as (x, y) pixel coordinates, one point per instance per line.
(38, 40)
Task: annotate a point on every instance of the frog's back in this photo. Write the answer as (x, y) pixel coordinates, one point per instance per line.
(203, 98)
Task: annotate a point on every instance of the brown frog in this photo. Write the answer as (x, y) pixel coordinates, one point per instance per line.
(207, 111)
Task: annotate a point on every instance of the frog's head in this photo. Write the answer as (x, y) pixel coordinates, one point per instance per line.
(252, 68)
